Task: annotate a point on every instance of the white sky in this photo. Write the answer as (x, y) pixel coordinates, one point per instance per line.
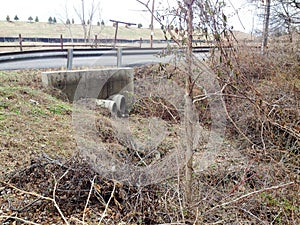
(124, 10)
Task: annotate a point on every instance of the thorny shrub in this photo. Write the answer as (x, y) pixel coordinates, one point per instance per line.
(262, 96)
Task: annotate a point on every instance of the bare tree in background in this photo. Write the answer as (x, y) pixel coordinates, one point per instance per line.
(86, 16)
(65, 21)
(266, 23)
(280, 17)
(285, 18)
(86, 11)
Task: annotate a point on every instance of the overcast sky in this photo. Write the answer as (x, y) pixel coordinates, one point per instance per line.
(124, 10)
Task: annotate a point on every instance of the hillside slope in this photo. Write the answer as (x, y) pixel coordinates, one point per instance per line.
(42, 29)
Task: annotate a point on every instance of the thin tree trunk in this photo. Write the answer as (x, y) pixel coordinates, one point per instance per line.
(266, 27)
(189, 105)
(83, 22)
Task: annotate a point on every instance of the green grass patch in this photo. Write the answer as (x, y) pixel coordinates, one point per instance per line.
(2, 116)
(60, 108)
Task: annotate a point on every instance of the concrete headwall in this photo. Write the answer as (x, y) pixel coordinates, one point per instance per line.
(97, 83)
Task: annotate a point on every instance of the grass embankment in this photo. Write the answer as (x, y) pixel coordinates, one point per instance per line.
(254, 179)
(46, 30)
(42, 29)
(31, 120)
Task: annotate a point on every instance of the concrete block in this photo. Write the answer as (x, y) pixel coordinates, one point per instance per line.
(95, 83)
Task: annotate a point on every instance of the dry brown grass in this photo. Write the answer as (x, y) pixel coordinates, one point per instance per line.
(42, 29)
(254, 182)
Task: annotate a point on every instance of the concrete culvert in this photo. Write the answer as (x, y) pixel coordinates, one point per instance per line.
(109, 104)
(120, 102)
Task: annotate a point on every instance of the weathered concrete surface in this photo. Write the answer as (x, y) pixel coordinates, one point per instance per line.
(96, 83)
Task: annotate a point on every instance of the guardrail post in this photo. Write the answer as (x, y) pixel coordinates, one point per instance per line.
(20, 42)
(70, 59)
(141, 41)
(119, 57)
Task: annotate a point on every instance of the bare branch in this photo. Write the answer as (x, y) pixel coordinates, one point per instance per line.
(41, 197)
(19, 219)
(254, 193)
(107, 204)
(88, 199)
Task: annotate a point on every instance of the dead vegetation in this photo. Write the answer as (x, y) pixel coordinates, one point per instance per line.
(254, 179)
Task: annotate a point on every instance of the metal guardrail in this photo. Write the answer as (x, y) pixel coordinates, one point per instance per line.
(40, 42)
(81, 40)
(69, 54)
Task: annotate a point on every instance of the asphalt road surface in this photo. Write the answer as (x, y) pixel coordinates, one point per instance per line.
(127, 60)
(131, 60)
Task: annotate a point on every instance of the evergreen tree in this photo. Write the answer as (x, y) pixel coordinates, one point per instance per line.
(68, 22)
(50, 20)
(36, 19)
(102, 23)
(7, 18)
(140, 25)
(54, 20)
(16, 18)
(30, 19)
(73, 21)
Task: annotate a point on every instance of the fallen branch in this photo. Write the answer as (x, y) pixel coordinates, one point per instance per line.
(235, 125)
(19, 219)
(107, 204)
(88, 199)
(54, 201)
(41, 197)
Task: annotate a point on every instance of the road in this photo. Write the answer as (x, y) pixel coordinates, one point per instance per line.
(129, 60)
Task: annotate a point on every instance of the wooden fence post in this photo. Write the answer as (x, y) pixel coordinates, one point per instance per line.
(96, 40)
(141, 40)
(20, 42)
(151, 39)
(61, 42)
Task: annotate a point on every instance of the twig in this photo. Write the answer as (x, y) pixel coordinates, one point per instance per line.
(291, 131)
(42, 197)
(172, 224)
(251, 214)
(197, 215)
(173, 37)
(88, 199)
(107, 204)
(237, 13)
(19, 219)
(276, 217)
(27, 192)
(244, 177)
(234, 124)
(54, 161)
(77, 220)
(54, 201)
(253, 193)
(262, 135)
